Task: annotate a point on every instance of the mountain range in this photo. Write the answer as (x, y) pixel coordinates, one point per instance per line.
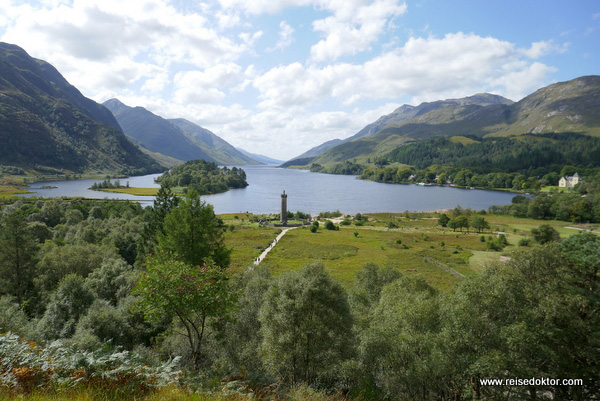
(178, 138)
(570, 106)
(46, 123)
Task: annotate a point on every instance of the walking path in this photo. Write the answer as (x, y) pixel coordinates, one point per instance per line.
(263, 255)
(444, 267)
(272, 245)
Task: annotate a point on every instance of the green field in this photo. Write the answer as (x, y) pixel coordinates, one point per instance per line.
(8, 190)
(415, 247)
(132, 191)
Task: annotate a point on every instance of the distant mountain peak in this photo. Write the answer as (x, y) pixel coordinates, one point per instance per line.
(48, 122)
(177, 138)
(569, 106)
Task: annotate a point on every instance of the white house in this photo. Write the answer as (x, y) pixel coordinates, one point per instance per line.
(568, 181)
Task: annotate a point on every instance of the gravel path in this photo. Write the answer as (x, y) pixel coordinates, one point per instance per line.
(272, 245)
(263, 255)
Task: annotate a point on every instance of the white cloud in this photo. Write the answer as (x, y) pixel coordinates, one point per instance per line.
(250, 38)
(117, 40)
(539, 49)
(206, 62)
(228, 19)
(285, 36)
(423, 69)
(201, 86)
(263, 6)
(157, 83)
(353, 27)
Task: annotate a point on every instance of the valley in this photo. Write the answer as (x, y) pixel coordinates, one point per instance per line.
(143, 257)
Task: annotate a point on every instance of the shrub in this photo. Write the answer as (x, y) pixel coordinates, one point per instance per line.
(24, 367)
(545, 233)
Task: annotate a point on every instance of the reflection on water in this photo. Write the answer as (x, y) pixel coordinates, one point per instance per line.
(307, 192)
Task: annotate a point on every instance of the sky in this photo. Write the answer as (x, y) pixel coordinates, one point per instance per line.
(278, 77)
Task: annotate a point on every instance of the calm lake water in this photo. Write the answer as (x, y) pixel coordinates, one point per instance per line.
(307, 192)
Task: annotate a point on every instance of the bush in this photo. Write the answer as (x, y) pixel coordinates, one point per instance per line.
(497, 244)
(330, 215)
(25, 367)
(524, 242)
(313, 228)
(545, 233)
(329, 225)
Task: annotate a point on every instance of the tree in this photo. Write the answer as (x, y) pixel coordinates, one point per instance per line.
(112, 281)
(400, 350)
(534, 316)
(453, 224)
(59, 261)
(67, 304)
(545, 233)
(164, 202)
(192, 234)
(305, 322)
(462, 222)
(480, 224)
(372, 278)
(329, 225)
(243, 333)
(18, 252)
(443, 220)
(191, 294)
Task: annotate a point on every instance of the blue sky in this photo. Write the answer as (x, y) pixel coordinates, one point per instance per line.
(278, 77)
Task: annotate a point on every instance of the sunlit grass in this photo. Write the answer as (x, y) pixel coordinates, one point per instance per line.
(429, 244)
(344, 254)
(132, 191)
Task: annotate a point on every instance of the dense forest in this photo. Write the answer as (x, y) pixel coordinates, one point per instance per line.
(514, 154)
(204, 177)
(524, 163)
(107, 292)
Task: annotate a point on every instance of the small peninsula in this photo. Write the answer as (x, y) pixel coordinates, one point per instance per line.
(202, 176)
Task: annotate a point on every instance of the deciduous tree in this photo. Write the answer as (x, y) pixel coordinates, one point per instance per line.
(306, 324)
(192, 234)
(191, 294)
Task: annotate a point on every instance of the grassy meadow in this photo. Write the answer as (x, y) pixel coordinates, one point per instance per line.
(417, 246)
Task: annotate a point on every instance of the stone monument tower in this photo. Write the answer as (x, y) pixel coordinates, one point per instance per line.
(284, 208)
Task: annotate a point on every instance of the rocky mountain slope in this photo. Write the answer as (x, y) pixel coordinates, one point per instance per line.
(176, 138)
(562, 107)
(45, 122)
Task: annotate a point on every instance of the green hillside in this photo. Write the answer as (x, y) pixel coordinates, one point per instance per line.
(178, 138)
(562, 107)
(219, 149)
(47, 123)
